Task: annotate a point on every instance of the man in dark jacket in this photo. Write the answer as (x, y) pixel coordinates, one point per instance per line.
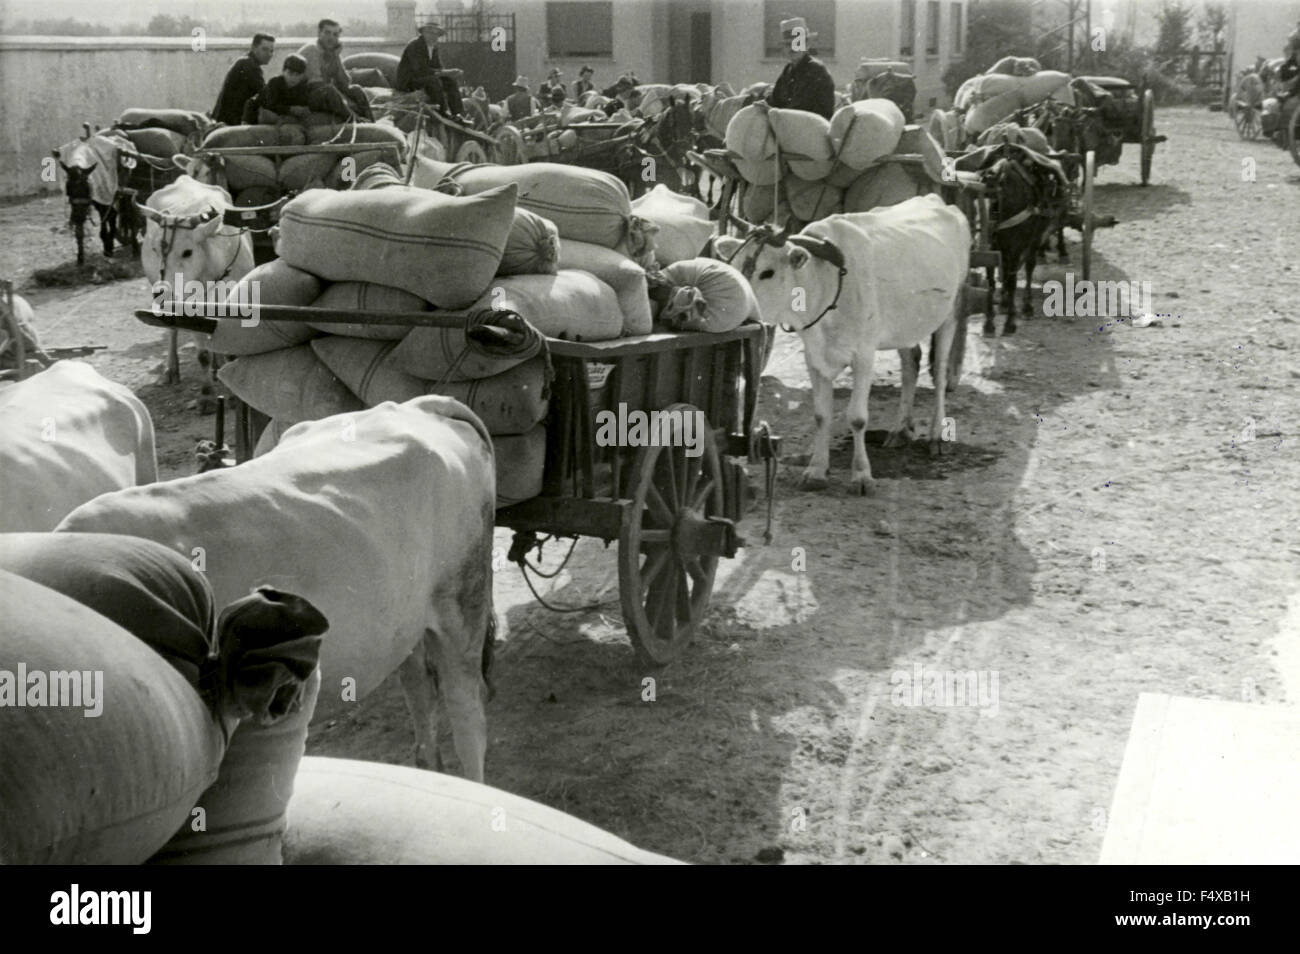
(805, 82)
(421, 68)
(243, 81)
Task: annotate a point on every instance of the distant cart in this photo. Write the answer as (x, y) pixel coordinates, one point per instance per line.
(673, 515)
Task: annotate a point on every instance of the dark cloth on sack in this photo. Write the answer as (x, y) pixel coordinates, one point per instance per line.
(805, 85)
(243, 81)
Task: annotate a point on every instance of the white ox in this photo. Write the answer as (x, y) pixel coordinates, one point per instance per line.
(383, 520)
(184, 236)
(68, 435)
(904, 270)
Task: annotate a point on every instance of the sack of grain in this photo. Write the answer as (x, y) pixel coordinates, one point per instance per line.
(445, 249)
(842, 176)
(386, 63)
(720, 116)
(244, 809)
(1016, 66)
(276, 283)
(756, 204)
(804, 134)
(369, 77)
(290, 384)
(350, 168)
(571, 304)
(662, 197)
(160, 143)
(245, 172)
(990, 85)
(763, 172)
(679, 234)
(436, 354)
(183, 121)
(367, 296)
(105, 790)
(308, 171)
(886, 184)
(812, 200)
(864, 131)
(533, 246)
(626, 277)
(1027, 136)
(379, 175)
(520, 459)
(750, 135)
(918, 141)
(291, 133)
(585, 204)
(1034, 89)
(355, 132)
(272, 134)
(707, 295)
(508, 403)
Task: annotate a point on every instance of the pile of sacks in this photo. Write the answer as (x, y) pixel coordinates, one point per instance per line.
(1010, 84)
(562, 246)
(158, 135)
(255, 180)
(808, 167)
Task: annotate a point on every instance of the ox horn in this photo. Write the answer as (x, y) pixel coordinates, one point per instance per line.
(148, 212)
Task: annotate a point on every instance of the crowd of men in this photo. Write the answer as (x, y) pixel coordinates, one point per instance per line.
(314, 80)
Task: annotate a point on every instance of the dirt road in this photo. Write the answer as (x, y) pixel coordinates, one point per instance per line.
(1119, 515)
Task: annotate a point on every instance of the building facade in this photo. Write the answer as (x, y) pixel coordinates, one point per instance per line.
(733, 41)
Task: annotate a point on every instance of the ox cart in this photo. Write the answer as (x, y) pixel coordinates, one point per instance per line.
(673, 515)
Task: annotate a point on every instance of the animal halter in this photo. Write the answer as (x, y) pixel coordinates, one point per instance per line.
(170, 225)
(819, 248)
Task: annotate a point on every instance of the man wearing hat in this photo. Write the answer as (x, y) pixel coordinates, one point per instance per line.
(552, 82)
(804, 83)
(421, 68)
(519, 104)
(584, 85)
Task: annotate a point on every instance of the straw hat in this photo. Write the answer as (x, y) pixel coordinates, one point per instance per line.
(789, 26)
(521, 82)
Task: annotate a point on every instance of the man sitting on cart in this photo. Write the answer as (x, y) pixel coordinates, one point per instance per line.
(243, 81)
(285, 96)
(421, 68)
(804, 83)
(328, 84)
(519, 104)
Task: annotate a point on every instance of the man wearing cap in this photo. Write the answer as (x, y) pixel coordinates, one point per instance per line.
(584, 85)
(519, 104)
(421, 68)
(804, 83)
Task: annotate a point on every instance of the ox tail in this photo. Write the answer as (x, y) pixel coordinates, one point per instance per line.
(489, 650)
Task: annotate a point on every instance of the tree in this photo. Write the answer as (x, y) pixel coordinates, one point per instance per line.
(996, 28)
(1175, 22)
(1213, 24)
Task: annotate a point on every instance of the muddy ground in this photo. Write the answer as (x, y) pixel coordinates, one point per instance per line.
(1105, 526)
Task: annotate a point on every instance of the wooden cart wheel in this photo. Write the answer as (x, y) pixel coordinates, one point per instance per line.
(1148, 133)
(665, 579)
(1085, 211)
(471, 151)
(1247, 121)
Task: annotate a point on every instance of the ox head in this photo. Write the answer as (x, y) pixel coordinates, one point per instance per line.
(184, 236)
(793, 276)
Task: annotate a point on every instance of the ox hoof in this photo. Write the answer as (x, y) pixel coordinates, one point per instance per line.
(1009, 328)
(862, 485)
(900, 438)
(813, 480)
(940, 448)
(990, 329)
(171, 377)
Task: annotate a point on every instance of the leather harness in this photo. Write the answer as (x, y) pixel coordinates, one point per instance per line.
(819, 248)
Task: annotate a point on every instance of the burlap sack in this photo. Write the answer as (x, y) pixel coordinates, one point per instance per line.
(161, 143)
(811, 201)
(520, 459)
(802, 133)
(184, 121)
(708, 295)
(290, 384)
(277, 283)
(571, 304)
(762, 172)
(864, 131)
(246, 172)
(886, 184)
(308, 171)
(620, 273)
(750, 135)
(438, 354)
(508, 403)
(366, 296)
(533, 246)
(445, 249)
(268, 134)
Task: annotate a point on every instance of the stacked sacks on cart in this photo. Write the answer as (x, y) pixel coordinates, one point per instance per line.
(255, 180)
(402, 249)
(802, 166)
(158, 135)
(993, 96)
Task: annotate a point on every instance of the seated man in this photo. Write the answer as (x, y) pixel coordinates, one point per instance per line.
(286, 96)
(421, 68)
(243, 81)
(325, 68)
(519, 104)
